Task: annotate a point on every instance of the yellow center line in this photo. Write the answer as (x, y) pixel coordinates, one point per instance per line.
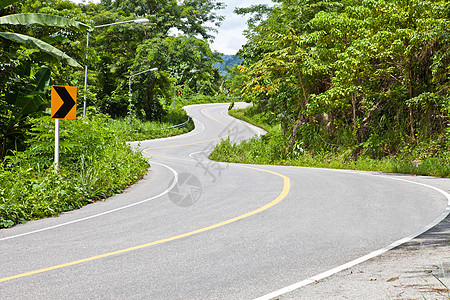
(281, 196)
(195, 143)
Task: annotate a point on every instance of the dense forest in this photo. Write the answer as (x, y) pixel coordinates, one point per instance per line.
(364, 77)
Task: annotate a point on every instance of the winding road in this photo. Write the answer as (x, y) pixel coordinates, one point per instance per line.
(198, 229)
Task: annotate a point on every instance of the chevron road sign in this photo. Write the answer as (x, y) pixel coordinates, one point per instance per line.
(64, 106)
(64, 100)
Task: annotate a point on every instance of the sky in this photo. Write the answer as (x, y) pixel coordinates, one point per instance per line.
(229, 39)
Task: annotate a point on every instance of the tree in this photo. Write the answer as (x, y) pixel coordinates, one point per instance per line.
(375, 69)
(125, 50)
(184, 61)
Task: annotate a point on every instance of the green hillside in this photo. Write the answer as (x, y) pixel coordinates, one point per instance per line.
(228, 62)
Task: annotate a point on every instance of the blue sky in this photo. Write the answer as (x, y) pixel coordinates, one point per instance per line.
(229, 39)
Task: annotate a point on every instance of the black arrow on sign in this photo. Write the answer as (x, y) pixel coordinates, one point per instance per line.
(68, 102)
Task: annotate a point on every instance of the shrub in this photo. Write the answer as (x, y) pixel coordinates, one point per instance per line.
(95, 163)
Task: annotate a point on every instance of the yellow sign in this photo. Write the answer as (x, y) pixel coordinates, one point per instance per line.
(64, 102)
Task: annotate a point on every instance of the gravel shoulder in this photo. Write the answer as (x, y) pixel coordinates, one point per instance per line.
(419, 269)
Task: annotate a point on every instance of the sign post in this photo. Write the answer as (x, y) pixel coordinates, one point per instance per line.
(56, 145)
(64, 100)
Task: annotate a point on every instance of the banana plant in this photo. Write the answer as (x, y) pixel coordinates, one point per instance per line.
(20, 103)
(43, 20)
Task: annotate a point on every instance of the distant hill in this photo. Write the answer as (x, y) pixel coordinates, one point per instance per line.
(229, 61)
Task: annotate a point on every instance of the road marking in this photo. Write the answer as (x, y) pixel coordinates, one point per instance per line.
(371, 255)
(113, 210)
(198, 152)
(188, 134)
(194, 143)
(106, 212)
(257, 130)
(203, 126)
(281, 196)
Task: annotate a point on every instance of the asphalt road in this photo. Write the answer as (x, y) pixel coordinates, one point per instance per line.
(197, 229)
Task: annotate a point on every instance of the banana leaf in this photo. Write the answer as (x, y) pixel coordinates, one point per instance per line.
(33, 101)
(44, 20)
(31, 97)
(56, 53)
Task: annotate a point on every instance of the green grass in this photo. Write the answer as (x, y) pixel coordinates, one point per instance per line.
(251, 116)
(95, 163)
(271, 150)
(135, 130)
(197, 99)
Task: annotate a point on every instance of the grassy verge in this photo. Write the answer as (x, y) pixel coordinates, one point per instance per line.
(271, 149)
(200, 99)
(95, 163)
(250, 116)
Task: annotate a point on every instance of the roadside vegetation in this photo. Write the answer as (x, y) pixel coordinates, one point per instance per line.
(95, 163)
(273, 149)
(355, 84)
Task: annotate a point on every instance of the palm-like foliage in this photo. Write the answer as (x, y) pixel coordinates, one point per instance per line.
(43, 20)
(20, 102)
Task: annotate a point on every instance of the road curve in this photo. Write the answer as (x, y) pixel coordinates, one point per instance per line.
(197, 229)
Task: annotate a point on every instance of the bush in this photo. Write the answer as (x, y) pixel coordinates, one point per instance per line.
(95, 163)
(313, 149)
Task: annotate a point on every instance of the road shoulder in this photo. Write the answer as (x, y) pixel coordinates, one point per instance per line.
(418, 269)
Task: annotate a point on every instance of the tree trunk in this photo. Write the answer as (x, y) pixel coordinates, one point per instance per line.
(305, 95)
(354, 109)
(3, 150)
(411, 126)
(7, 132)
(302, 120)
(149, 98)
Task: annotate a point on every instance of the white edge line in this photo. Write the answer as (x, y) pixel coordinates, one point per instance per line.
(119, 208)
(196, 132)
(371, 255)
(198, 152)
(103, 213)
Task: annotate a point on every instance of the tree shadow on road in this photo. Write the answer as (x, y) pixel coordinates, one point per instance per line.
(438, 236)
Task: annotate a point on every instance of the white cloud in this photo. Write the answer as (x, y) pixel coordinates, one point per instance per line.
(230, 39)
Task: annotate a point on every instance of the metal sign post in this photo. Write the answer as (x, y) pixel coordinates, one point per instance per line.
(56, 145)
